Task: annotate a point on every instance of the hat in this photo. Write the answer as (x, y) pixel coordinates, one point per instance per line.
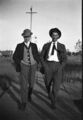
(55, 30)
(27, 32)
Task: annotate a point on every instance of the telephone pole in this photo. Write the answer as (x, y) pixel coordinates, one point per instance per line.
(31, 13)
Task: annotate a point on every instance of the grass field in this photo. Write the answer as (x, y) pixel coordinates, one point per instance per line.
(74, 59)
(72, 76)
(72, 70)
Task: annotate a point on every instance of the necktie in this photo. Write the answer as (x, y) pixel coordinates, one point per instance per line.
(53, 48)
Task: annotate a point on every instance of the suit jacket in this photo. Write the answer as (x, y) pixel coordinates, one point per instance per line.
(18, 54)
(61, 53)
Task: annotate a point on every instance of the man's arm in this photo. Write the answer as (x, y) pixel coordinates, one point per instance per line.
(36, 53)
(64, 56)
(16, 55)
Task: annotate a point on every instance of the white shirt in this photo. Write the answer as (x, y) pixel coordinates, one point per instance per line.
(53, 57)
(27, 44)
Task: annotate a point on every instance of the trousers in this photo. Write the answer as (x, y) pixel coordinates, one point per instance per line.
(53, 76)
(27, 80)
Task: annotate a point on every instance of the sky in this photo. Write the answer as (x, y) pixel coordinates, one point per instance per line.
(63, 14)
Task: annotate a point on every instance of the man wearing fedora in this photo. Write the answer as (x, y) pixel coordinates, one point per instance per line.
(53, 59)
(26, 58)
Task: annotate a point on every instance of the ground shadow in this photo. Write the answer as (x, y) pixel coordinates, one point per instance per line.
(44, 114)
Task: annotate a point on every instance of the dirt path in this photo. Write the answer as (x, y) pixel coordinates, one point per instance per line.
(40, 108)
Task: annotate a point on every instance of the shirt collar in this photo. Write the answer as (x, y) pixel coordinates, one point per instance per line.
(55, 43)
(27, 44)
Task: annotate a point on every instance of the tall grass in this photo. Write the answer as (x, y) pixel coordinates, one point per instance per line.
(72, 70)
(72, 73)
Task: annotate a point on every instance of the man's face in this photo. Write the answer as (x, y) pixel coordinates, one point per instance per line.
(55, 36)
(27, 38)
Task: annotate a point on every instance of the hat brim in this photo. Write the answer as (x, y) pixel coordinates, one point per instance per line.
(23, 34)
(55, 30)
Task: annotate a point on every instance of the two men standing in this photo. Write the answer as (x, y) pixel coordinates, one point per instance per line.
(53, 58)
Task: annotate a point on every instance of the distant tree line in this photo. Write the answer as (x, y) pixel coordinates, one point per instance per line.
(78, 48)
(74, 53)
(6, 53)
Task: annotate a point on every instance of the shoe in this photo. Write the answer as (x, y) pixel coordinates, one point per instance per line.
(29, 98)
(49, 95)
(21, 106)
(52, 101)
(29, 94)
(53, 106)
